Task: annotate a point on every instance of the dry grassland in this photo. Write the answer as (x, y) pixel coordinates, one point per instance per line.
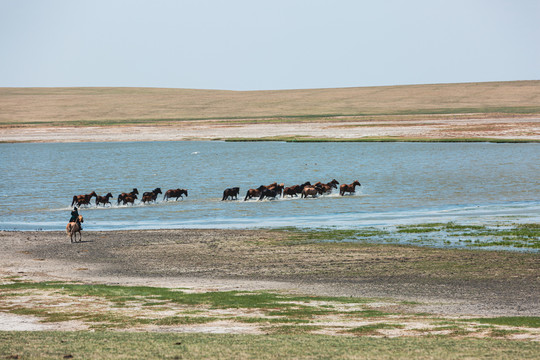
(509, 110)
(31, 105)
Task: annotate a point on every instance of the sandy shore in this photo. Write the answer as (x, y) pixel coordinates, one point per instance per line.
(450, 282)
(526, 128)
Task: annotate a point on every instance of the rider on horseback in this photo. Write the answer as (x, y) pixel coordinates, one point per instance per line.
(75, 217)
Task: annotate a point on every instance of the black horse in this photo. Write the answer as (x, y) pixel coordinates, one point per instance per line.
(149, 196)
(270, 193)
(231, 193)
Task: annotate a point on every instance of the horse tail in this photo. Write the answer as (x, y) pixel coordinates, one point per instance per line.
(247, 194)
(224, 195)
(74, 200)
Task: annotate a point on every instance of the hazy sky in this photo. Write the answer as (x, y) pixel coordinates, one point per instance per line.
(256, 45)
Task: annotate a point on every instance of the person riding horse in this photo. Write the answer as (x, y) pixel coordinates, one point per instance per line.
(75, 217)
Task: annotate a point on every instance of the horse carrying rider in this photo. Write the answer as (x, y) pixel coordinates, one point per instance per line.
(75, 217)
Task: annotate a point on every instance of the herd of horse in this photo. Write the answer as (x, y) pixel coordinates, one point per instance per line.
(128, 197)
(271, 191)
(305, 190)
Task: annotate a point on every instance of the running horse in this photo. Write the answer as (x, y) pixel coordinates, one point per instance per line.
(174, 193)
(103, 199)
(151, 195)
(231, 193)
(83, 199)
(295, 189)
(312, 191)
(348, 188)
(72, 228)
(122, 196)
(251, 193)
(129, 199)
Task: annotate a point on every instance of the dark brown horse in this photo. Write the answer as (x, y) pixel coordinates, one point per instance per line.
(103, 199)
(156, 191)
(72, 228)
(334, 183)
(129, 199)
(291, 191)
(251, 193)
(231, 193)
(323, 188)
(327, 188)
(351, 188)
(174, 193)
(123, 195)
(83, 199)
(151, 196)
(295, 189)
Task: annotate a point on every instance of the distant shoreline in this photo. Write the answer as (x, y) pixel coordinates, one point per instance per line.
(497, 130)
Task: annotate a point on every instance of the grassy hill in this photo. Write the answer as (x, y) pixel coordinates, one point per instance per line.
(117, 106)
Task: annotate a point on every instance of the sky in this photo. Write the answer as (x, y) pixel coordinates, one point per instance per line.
(266, 45)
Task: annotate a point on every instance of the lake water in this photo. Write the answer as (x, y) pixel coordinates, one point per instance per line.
(402, 183)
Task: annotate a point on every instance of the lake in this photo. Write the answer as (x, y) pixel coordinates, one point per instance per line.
(402, 183)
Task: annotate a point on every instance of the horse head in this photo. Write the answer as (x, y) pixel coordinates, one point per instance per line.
(81, 220)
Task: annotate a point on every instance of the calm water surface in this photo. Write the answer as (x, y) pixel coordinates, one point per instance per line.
(402, 183)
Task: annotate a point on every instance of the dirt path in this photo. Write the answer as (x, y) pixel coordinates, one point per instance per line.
(450, 282)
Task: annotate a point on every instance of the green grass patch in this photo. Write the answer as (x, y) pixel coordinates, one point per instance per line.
(302, 236)
(292, 329)
(303, 312)
(373, 329)
(287, 307)
(513, 236)
(504, 333)
(518, 321)
(367, 313)
(137, 345)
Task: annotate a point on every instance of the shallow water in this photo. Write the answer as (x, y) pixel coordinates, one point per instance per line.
(402, 183)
